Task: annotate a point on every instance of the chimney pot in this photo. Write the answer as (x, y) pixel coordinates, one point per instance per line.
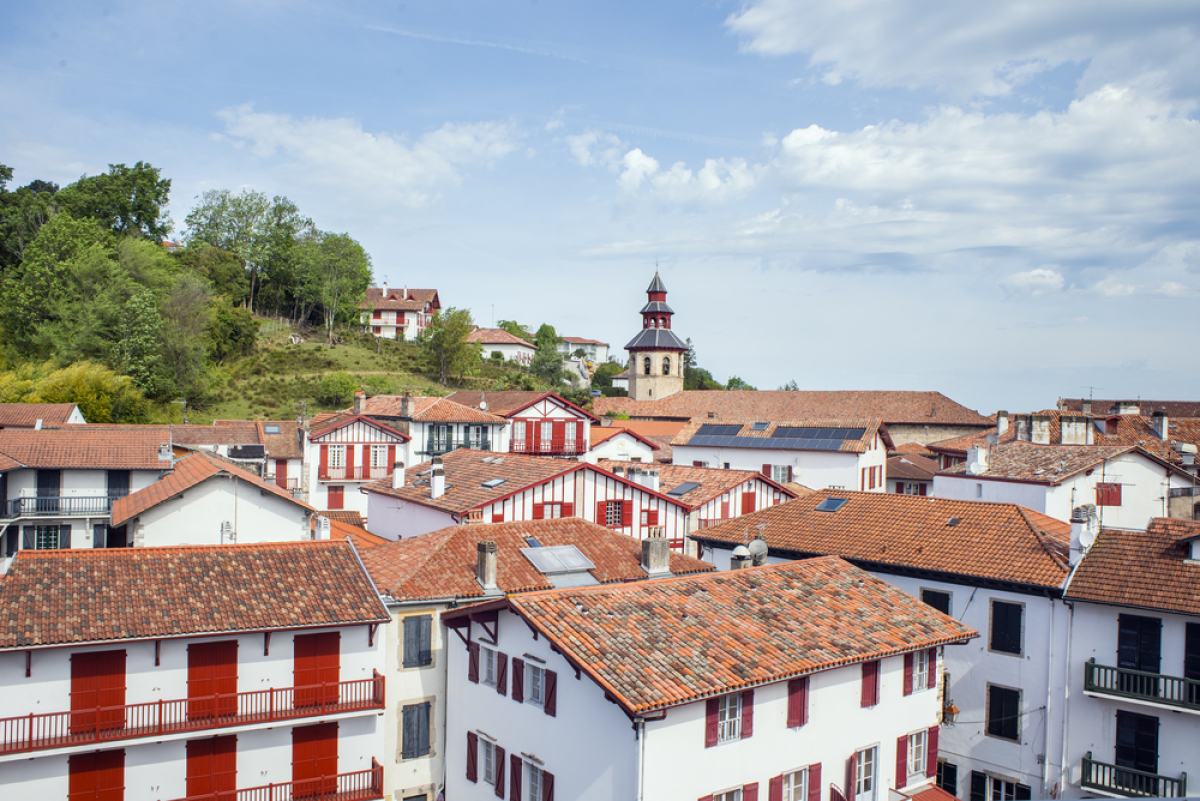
(656, 556)
(397, 475)
(485, 566)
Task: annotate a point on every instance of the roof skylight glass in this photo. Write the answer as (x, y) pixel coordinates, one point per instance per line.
(831, 504)
(492, 483)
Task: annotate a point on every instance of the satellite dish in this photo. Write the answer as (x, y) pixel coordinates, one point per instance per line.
(1086, 538)
(992, 439)
(757, 548)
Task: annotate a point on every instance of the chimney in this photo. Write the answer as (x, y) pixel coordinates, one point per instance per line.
(1022, 423)
(437, 479)
(164, 452)
(1086, 406)
(360, 402)
(1112, 425)
(323, 528)
(485, 565)
(407, 406)
(1083, 531)
(405, 295)
(759, 550)
(383, 286)
(1076, 429)
(650, 479)
(1001, 422)
(1041, 429)
(1129, 407)
(977, 461)
(397, 475)
(656, 557)
(1160, 424)
(739, 558)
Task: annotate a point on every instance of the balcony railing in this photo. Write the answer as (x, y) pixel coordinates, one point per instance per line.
(1129, 783)
(353, 473)
(436, 447)
(549, 447)
(362, 785)
(57, 506)
(1141, 686)
(104, 724)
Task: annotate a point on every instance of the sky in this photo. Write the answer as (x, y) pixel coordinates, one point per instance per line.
(997, 201)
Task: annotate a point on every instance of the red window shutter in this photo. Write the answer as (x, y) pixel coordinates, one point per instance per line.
(899, 487)
(315, 758)
(724, 509)
(921, 489)
(365, 457)
(710, 723)
(766, 470)
(698, 463)
(1114, 494)
(514, 778)
(750, 792)
(212, 766)
(931, 752)
(97, 776)
(336, 498)
(539, 511)
(473, 662)
(626, 513)
(547, 786)
(602, 513)
(652, 517)
(814, 782)
(323, 470)
(908, 674)
(518, 680)
(931, 682)
(901, 761)
(568, 510)
(797, 713)
(558, 432)
(501, 673)
(580, 439)
(747, 502)
(316, 668)
(472, 756)
(775, 789)
(377, 315)
(212, 679)
(706, 797)
(747, 713)
(851, 765)
(498, 515)
(391, 458)
(498, 770)
(789, 474)
(870, 683)
(550, 695)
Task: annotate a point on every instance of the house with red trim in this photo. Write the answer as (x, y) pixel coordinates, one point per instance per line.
(435, 425)
(541, 423)
(398, 313)
(619, 444)
(496, 340)
(466, 486)
(39, 415)
(248, 671)
(789, 681)
(349, 451)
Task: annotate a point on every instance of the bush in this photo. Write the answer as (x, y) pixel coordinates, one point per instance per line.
(336, 389)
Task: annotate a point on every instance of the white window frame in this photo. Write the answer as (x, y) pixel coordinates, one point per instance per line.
(487, 760)
(918, 748)
(533, 781)
(518, 431)
(337, 456)
(547, 435)
(866, 773)
(552, 511)
(379, 456)
(43, 536)
(569, 433)
(611, 520)
(779, 473)
(922, 680)
(729, 718)
(795, 785)
(487, 666)
(535, 684)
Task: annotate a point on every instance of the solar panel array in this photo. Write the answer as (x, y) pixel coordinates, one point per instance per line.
(782, 438)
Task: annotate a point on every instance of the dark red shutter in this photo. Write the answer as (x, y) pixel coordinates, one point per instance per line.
(550, 696)
(750, 792)
(851, 764)
(1114, 495)
(601, 513)
(710, 723)
(315, 759)
(775, 789)
(96, 776)
(212, 767)
(547, 786)
(323, 469)
(97, 691)
(921, 489)
(747, 713)
(789, 474)
(498, 516)
(212, 680)
(931, 682)
(501, 673)
(626, 513)
(498, 769)
(747, 502)
(539, 511)
(902, 761)
(899, 487)
(473, 662)
(797, 713)
(698, 463)
(766, 470)
(518, 680)
(336, 498)
(514, 777)
(472, 756)
(365, 458)
(931, 752)
(724, 509)
(814, 782)
(870, 683)
(908, 674)
(391, 459)
(652, 517)
(568, 510)
(316, 668)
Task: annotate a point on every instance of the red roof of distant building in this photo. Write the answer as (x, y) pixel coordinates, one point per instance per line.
(496, 336)
(26, 415)
(97, 447)
(1143, 569)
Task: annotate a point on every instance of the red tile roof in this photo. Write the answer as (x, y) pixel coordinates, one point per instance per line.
(189, 472)
(932, 408)
(26, 415)
(343, 516)
(416, 300)
(998, 541)
(427, 409)
(496, 336)
(441, 564)
(76, 596)
(657, 644)
(98, 447)
(598, 434)
(915, 448)
(582, 341)
(911, 467)
(341, 530)
(230, 432)
(1144, 569)
(932, 793)
(506, 404)
(712, 481)
(284, 445)
(1049, 464)
(861, 445)
(1102, 408)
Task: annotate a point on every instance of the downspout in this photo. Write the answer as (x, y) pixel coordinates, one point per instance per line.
(1065, 769)
(641, 757)
(1049, 703)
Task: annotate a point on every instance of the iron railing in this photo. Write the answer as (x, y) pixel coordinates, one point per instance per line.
(35, 732)
(362, 785)
(436, 447)
(1129, 782)
(1141, 686)
(549, 447)
(57, 506)
(353, 473)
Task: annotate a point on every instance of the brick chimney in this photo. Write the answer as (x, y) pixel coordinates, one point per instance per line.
(437, 479)
(656, 557)
(485, 565)
(1076, 429)
(397, 475)
(1041, 429)
(360, 402)
(1024, 427)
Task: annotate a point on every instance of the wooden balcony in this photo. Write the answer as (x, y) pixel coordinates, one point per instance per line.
(155, 718)
(1138, 685)
(352, 473)
(549, 447)
(362, 785)
(57, 506)
(1112, 780)
(436, 447)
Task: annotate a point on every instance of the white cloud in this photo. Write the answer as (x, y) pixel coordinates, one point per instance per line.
(1035, 282)
(337, 153)
(608, 154)
(718, 180)
(1114, 288)
(634, 167)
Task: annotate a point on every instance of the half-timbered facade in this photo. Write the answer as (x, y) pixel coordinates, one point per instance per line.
(541, 423)
(349, 451)
(398, 313)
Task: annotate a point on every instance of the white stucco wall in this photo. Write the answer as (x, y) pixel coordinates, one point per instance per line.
(195, 518)
(814, 469)
(397, 520)
(622, 448)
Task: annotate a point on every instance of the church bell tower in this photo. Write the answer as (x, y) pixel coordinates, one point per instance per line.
(655, 354)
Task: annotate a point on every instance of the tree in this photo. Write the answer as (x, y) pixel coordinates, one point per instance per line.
(231, 331)
(547, 363)
(132, 201)
(22, 214)
(137, 351)
(336, 389)
(444, 343)
(336, 272)
(737, 383)
(102, 395)
(222, 269)
(604, 374)
(185, 316)
(516, 329)
(790, 386)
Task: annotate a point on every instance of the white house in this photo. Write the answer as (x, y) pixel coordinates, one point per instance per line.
(208, 501)
(466, 486)
(595, 352)
(399, 313)
(810, 680)
(172, 673)
(618, 444)
(510, 346)
(541, 423)
(840, 454)
(1127, 485)
(996, 567)
(39, 415)
(349, 450)
(58, 486)
(435, 425)
(1133, 667)
(910, 474)
(423, 576)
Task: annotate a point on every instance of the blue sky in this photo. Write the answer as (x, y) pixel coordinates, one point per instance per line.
(997, 201)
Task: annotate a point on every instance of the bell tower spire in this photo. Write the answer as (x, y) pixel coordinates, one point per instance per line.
(656, 353)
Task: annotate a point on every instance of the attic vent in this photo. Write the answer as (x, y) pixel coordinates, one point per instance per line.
(759, 427)
(954, 521)
(492, 483)
(270, 429)
(831, 504)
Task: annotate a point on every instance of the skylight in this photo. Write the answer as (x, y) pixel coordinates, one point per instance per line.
(831, 504)
(759, 427)
(558, 559)
(492, 483)
(683, 489)
(270, 429)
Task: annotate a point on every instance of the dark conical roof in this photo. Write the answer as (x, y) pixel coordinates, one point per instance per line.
(657, 285)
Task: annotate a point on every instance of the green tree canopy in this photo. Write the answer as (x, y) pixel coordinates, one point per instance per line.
(604, 374)
(516, 329)
(737, 383)
(547, 363)
(335, 272)
(444, 343)
(131, 201)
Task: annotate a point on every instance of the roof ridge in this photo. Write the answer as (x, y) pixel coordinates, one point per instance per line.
(158, 549)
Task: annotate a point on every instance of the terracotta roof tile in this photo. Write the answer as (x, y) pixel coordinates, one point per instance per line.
(344, 516)
(26, 415)
(914, 448)
(860, 445)
(284, 445)
(1146, 407)
(76, 596)
(582, 341)
(509, 403)
(911, 466)
(1047, 464)
(999, 541)
(428, 409)
(230, 432)
(441, 564)
(341, 530)
(931, 408)
(496, 336)
(101, 447)
(598, 434)
(1145, 569)
(416, 300)
(656, 644)
(712, 481)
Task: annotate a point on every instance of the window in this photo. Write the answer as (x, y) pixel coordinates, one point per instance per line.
(781, 473)
(698, 463)
(415, 730)
(917, 745)
(729, 795)
(795, 785)
(535, 680)
(379, 456)
(518, 430)
(378, 315)
(46, 538)
(337, 455)
(992, 788)
(864, 774)
(552, 511)
(979, 490)
(666, 365)
(1137, 749)
(1007, 619)
(646, 366)
(1004, 713)
(729, 717)
(418, 643)
(487, 666)
(937, 599)
(612, 514)
(535, 781)
(1108, 494)
(922, 679)
(488, 760)
(947, 777)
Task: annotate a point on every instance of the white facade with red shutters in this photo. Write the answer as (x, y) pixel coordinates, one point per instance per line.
(348, 454)
(550, 427)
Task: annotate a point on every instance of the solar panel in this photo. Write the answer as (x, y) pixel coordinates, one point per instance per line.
(710, 430)
(831, 504)
(683, 489)
(557, 559)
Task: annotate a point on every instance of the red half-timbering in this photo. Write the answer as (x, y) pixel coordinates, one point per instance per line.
(212, 768)
(212, 679)
(317, 668)
(97, 691)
